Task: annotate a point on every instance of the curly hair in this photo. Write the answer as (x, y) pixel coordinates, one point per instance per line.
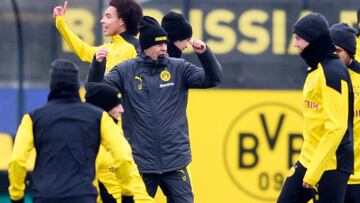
(130, 11)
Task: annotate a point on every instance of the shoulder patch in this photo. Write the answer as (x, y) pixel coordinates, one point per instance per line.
(355, 66)
(334, 72)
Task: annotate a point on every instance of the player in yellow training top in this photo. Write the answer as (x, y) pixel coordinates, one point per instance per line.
(327, 155)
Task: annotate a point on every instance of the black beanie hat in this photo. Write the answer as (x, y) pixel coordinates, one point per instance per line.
(102, 95)
(64, 76)
(151, 33)
(344, 36)
(177, 27)
(311, 27)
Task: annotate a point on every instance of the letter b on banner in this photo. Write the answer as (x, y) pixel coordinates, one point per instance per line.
(261, 144)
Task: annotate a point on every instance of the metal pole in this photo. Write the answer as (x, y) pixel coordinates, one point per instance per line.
(186, 8)
(20, 46)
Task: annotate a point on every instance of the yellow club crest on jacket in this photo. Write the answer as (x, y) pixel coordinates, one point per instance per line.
(165, 75)
(138, 78)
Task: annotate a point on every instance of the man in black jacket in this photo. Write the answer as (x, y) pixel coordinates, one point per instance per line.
(155, 92)
(66, 134)
(179, 33)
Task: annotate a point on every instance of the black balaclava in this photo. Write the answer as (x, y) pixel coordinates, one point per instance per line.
(314, 29)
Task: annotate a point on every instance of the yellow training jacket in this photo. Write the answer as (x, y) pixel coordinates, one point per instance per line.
(354, 70)
(327, 128)
(24, 142)
(118, 187)
(119, 49)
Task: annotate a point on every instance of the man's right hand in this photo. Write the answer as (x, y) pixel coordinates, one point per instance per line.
(101, 54)
(60, 10)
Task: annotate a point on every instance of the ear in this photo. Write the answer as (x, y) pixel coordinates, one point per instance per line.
(121, 22)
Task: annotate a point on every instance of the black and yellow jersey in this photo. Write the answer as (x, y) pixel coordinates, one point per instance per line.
(328, 120)
(354, 70)
(66, 135)
(118, 187)
(121, 48)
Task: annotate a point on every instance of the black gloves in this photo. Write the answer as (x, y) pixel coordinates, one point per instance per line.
(127, 199)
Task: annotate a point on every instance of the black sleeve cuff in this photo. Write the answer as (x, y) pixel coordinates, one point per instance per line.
(18, 201)
(127, 199)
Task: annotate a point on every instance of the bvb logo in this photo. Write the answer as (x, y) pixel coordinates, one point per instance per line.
(260, 146)
(165, 75)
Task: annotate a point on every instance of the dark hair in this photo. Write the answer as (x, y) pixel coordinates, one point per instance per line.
(130, 11)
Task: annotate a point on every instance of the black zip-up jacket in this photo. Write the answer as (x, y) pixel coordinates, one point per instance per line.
(155, 95)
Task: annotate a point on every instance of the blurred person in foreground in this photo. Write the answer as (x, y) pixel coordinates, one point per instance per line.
(66, 135)
(120, 22)
(109, 99)
(327, 155)
(344, 39)
(155, 91)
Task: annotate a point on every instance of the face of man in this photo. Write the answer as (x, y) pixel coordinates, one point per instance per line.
(182, 44)
(343, 55)
(300, 43)
(116, 111)
(111, 24)
(156, 50)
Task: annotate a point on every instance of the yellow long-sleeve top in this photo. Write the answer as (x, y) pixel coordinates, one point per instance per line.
(24, 142)
(117, 187)
(119, 49)
(354, 70)
(327, 128)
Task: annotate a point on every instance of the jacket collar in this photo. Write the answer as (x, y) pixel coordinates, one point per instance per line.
(118, 39)
(148, 63)
(355, 66)
(317, 51)
(173, 50)
(64, 95)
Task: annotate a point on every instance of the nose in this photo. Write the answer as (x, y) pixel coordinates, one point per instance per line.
(121, 109)
(296, 44)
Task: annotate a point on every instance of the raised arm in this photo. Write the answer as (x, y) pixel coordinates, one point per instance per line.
(210, 75)
(83, 50)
